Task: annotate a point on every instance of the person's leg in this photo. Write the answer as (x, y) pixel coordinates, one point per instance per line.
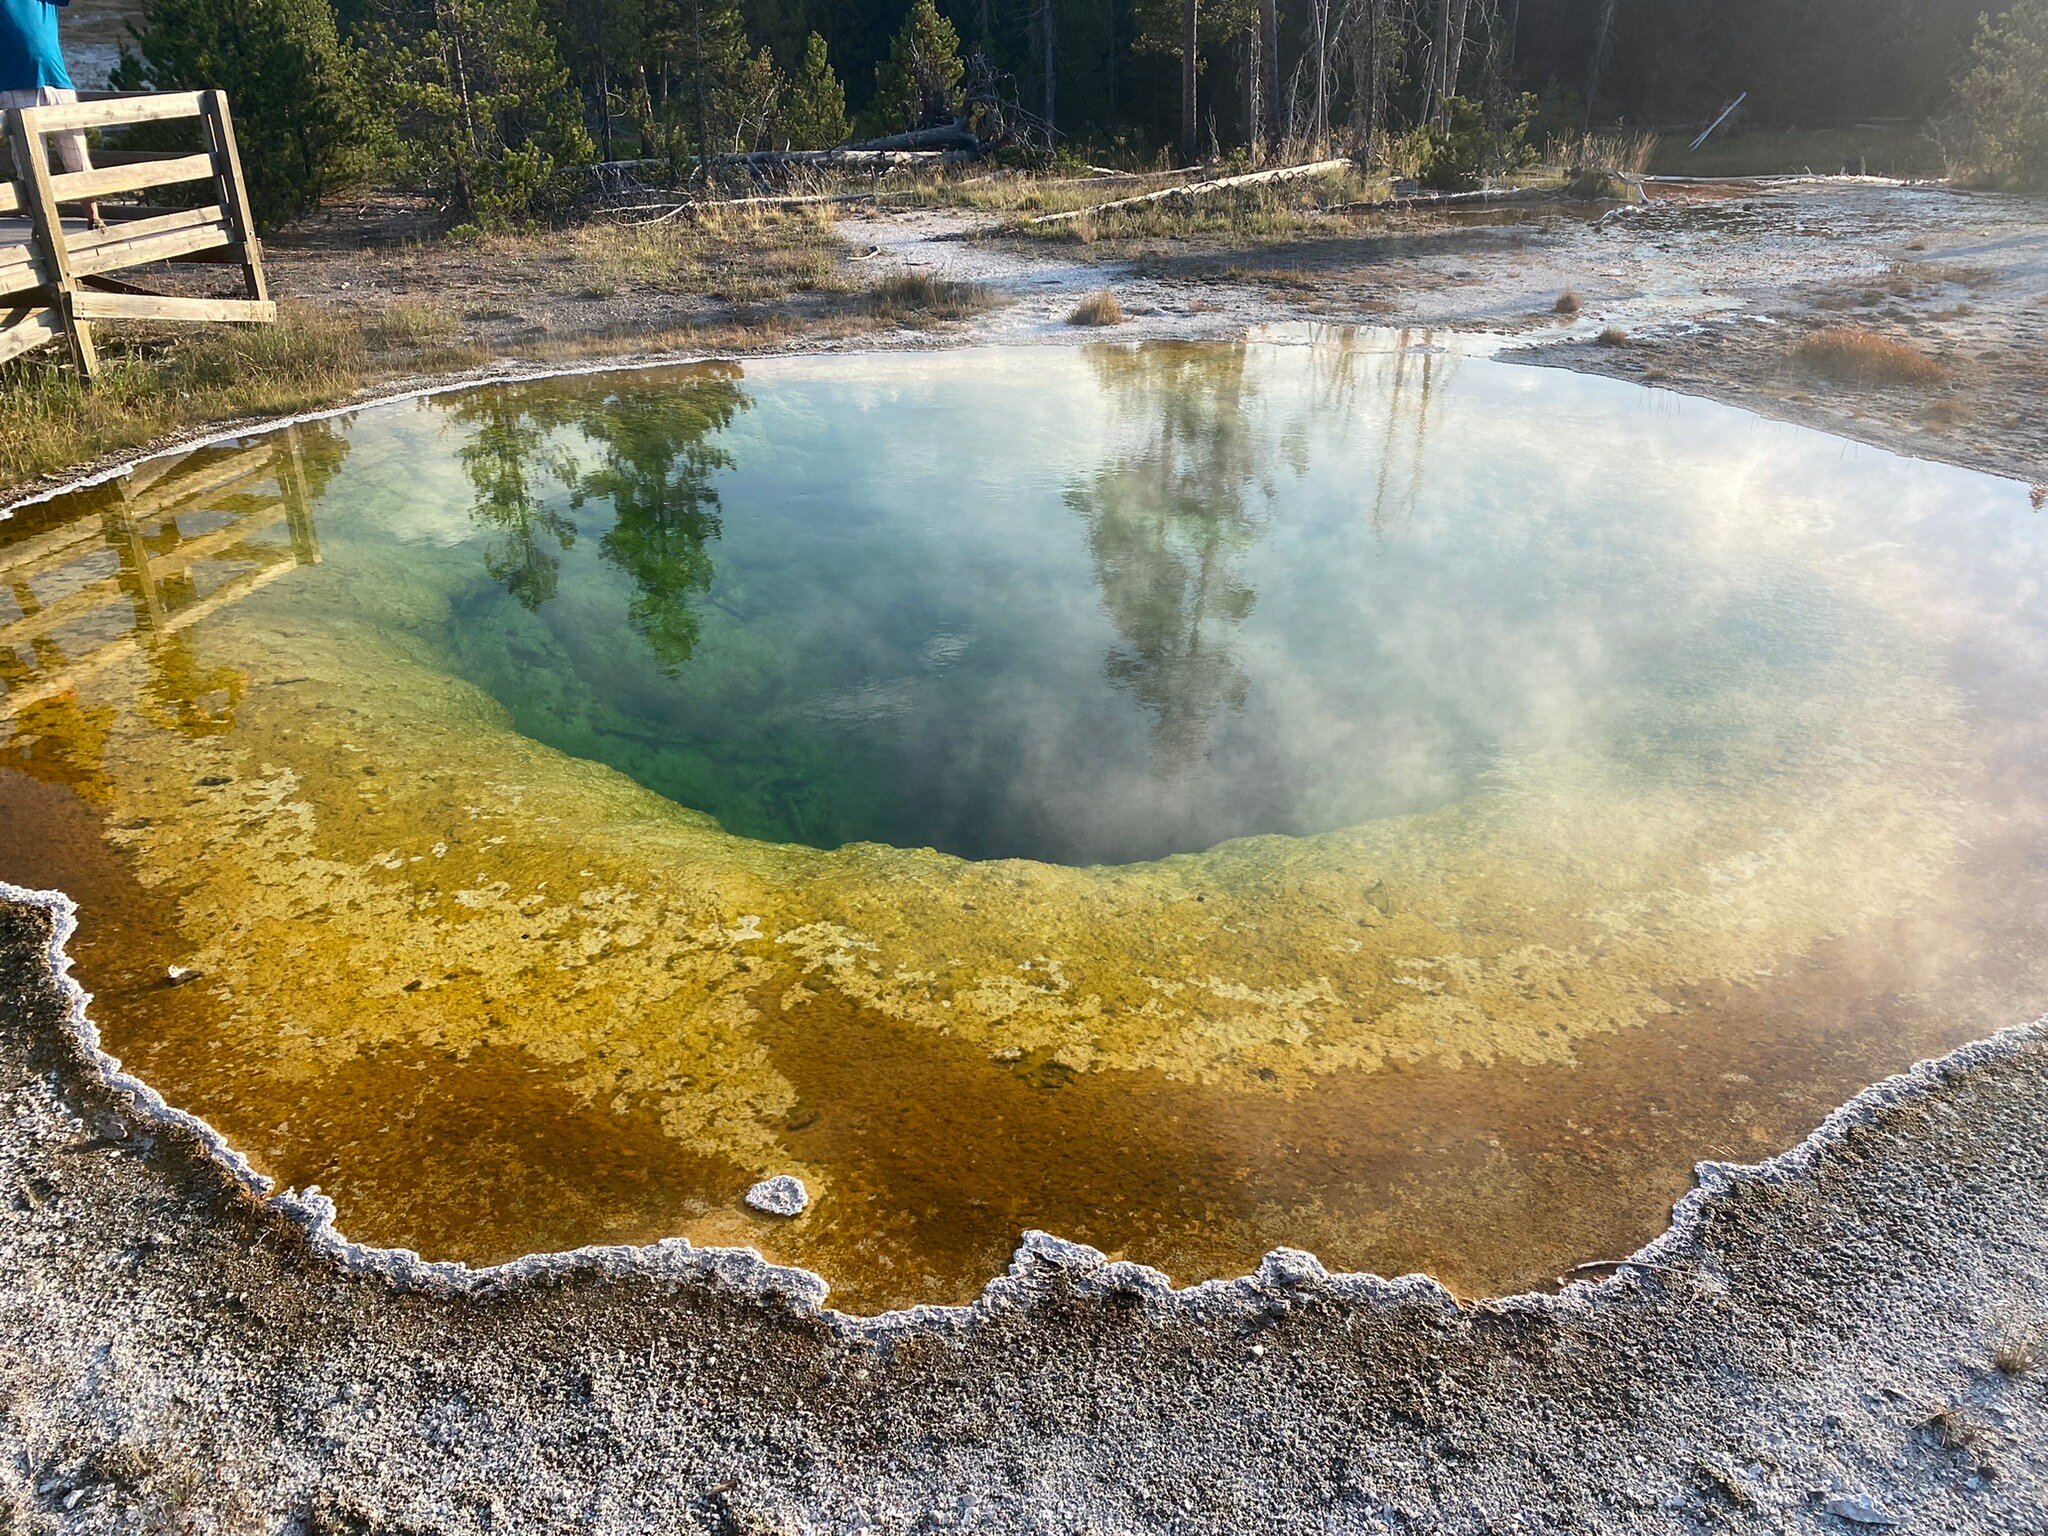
(72, 153)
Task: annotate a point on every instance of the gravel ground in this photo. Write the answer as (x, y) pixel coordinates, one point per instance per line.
(1847, 1338)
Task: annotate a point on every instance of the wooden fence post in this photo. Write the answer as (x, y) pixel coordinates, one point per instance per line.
(32, 168)
(234, 192)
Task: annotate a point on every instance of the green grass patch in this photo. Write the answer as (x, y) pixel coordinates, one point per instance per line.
(155, 380)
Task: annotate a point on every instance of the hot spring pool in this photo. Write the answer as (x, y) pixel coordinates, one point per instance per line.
(1192, 798)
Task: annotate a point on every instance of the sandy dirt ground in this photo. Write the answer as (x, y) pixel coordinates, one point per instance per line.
(1849, 1339)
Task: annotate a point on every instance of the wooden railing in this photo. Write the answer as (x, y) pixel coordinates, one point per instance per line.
(56, 270)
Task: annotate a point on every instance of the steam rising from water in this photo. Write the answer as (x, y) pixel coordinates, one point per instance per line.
(501, 765)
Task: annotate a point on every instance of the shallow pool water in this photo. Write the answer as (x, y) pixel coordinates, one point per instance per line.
(1191, 798)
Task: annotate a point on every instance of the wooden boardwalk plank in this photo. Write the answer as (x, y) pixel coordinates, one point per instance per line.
(234, 191)
(119, 111)
(23, 330)
(32, 165)
(208, 546)
(82, 186)
(42, 551)
(88, 305)
(113, 255)
(21, 267)
(141, 229)
(87, 599)
(43, 262)
(69, 676)
(190, 482)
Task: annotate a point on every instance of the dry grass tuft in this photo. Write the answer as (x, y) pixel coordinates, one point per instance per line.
(2013, 1357)
(1603, 152)
(1952, 1429)
(919, 296)
(1867, 357)
(741, 255)
(1567, 303)
(1613, 336)
(1098, 308)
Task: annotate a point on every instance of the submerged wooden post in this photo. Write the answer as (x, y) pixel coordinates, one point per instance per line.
(32, 167)
(124, 536)
(298, 502)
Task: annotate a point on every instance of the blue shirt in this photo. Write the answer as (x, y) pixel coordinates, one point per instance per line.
(29, 55)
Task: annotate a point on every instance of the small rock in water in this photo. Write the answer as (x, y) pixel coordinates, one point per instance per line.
(178, 975)
(783, 1195)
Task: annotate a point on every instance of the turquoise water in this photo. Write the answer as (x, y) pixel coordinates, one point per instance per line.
(1078, 607)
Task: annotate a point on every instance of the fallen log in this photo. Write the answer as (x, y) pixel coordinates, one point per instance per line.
(943, 136)
(613, 172)
(1201, 189)
(1450, 199)
(858, 155)
(663, 212)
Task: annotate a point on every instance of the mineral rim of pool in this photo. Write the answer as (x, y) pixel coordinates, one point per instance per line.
(1190, 798)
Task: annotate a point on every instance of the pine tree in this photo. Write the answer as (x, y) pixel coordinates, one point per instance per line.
(750, 104)
(919, 83)
(600, 42)
(815, 115)
(704, 45)
(2005, 97)
(302, 121)
(482, 104)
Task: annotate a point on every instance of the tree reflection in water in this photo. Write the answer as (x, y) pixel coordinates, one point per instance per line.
(508, 456)
(1168, 526)
(660, 455)
(656, 458)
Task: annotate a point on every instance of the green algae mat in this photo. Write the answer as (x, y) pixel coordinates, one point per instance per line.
(1192, 798)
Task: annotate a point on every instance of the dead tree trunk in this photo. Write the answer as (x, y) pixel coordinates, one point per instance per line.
(1362, 27)
(1439, 53)
(700, 96)
(1251, 117)
(1269, 69)
(1454, 56)
(1052, 70)
(1603, 42)
(1319, 110)
(953, 135)
(1181, 196)
(1190, 128)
